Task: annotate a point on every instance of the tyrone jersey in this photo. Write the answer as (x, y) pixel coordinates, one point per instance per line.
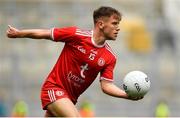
(80, 61)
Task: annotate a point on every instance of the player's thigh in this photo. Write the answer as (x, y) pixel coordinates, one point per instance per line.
(63, 107)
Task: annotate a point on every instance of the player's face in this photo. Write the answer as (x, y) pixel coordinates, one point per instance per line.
(111, 27)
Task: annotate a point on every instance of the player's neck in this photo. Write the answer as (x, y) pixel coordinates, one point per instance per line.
(98, 38)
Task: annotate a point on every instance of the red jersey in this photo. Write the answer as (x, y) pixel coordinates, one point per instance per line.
(80, 61)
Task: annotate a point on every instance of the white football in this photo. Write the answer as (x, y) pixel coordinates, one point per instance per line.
(136, 84)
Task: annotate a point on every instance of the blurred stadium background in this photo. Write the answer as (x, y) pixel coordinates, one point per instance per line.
(149, 41)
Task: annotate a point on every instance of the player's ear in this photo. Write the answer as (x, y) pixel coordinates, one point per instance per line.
(101, 24)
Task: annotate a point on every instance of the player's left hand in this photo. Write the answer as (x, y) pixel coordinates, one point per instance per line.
(135, 98)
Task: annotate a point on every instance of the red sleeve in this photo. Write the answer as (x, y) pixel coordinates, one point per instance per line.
(107, 73)
(63, 34)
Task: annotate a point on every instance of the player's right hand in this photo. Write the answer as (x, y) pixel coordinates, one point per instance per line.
(12, 32)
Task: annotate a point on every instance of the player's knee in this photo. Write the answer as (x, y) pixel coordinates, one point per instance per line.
(48, 114)
(61, 112)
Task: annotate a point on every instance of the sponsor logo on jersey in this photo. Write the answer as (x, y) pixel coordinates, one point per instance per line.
(101, 62)
(75, 78)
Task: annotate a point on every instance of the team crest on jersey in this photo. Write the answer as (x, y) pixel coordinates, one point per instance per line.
(101, 62)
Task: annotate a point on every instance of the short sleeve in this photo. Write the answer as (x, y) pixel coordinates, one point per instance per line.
(63, 34)
(107, 72)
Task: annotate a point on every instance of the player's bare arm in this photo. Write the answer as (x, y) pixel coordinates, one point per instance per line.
(111, 89)
(13, 32)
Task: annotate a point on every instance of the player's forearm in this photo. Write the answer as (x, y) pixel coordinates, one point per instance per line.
(34, 34)
(113, 90)
(116, 92)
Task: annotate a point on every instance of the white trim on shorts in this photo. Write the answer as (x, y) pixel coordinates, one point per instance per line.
(51, 95)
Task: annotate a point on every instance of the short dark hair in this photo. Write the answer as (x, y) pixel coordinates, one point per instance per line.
(105, 11)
